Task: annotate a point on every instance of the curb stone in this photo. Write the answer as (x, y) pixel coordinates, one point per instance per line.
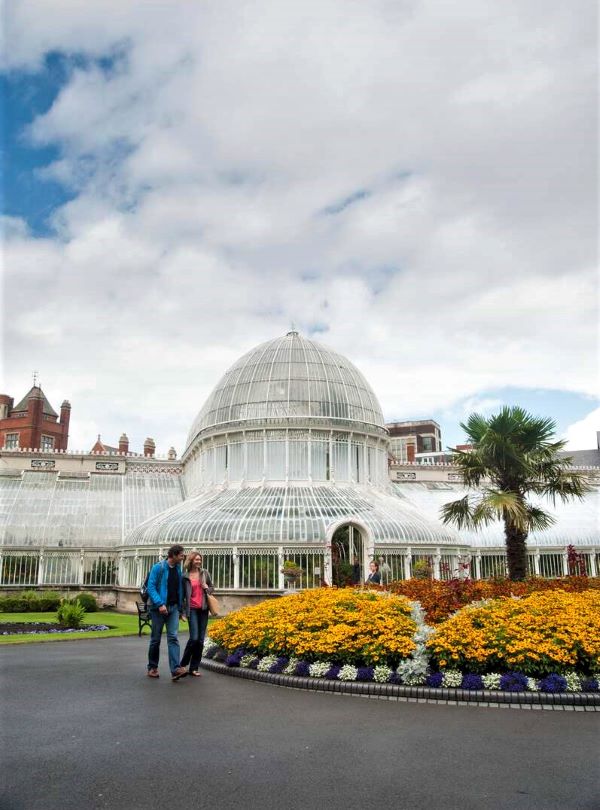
(569, 701)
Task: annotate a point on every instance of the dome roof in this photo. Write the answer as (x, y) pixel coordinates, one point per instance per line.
(290, 377)
(267, 516)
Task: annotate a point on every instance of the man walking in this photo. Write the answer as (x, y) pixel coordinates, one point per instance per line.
(165, 597)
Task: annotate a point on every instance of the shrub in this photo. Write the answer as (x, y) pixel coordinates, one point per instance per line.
(344, 626)
(70, 615)
(540, 634)
(87, 601)
(30, 602)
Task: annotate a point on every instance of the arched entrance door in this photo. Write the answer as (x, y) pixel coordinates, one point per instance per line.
(347, 556)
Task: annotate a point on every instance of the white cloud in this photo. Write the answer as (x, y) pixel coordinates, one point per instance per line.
(203, 165)
(582, 435)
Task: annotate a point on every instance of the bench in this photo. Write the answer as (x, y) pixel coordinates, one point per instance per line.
(144, 619)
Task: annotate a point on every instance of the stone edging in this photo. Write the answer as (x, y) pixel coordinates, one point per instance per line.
(588, 701)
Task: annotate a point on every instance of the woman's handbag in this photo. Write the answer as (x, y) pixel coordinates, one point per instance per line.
(213, 604)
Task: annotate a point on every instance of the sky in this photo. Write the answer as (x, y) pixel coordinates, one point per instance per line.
(413, 184)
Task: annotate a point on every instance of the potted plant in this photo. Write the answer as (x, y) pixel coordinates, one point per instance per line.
(291, 571)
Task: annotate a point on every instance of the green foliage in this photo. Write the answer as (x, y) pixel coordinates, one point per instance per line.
(70, 615)
(513, 456)
(87, 601)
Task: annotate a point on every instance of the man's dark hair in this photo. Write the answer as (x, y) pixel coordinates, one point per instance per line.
(175, 550)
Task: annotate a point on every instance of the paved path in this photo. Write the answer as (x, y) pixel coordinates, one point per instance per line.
(82, 727)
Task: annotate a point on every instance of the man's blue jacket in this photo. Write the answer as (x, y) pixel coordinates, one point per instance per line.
(157, 585)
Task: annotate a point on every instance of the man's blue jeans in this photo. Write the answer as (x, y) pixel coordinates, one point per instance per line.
(171, 619)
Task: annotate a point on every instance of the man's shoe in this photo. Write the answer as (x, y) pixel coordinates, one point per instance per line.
(153, 673)
(180, 672)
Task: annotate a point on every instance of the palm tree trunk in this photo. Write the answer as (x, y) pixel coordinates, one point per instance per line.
(516, 550)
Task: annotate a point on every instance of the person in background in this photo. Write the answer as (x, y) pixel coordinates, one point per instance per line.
(355, 571)
(385, 571)
(374, 577)
(165, 601)
(196, 584)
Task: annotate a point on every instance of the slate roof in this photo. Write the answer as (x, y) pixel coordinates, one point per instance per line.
(35, 391)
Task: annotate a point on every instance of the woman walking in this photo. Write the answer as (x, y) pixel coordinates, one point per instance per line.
(196, 584)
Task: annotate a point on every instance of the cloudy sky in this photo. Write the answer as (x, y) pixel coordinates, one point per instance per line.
(412, 183)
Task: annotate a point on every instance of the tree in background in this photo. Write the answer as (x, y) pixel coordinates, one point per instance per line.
(514, 456)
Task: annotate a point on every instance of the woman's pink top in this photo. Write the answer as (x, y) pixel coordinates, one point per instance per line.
(197, 597)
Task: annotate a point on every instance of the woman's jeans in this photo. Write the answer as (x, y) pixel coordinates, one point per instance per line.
(193, 650)
(171, 619)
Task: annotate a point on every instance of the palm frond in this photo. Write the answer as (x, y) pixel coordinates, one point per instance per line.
(459, 513)
(537, 519)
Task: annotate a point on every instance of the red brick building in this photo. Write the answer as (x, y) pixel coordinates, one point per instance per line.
(409, 438)
(33, 423)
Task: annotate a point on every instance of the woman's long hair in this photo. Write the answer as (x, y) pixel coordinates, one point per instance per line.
(189, 558)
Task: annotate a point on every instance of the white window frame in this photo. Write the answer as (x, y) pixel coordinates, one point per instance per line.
(49, 439)
(14, 446)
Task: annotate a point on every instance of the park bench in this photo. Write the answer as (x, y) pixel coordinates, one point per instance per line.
(144, 619)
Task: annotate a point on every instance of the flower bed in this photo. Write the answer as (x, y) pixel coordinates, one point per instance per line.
(546, 642)
(342, 626)
(439, 599)
(549, 632)
(24, 628)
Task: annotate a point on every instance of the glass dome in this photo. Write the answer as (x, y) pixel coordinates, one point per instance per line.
(288, 379)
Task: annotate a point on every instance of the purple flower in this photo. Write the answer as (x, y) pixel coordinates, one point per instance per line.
(279, 665)
(234, 659)
(395, 678)
(254, 663)
(332, 673)
(435, 680)
(302, 669)
(472, 681)
(364, 674)
(553, 683)
(589, 685)
(513, 682)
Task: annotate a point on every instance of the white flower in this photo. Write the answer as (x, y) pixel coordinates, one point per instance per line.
(413, 671)
(532, 685)
(247, 659)
(289, 670)
(381, 674)
(348, 673)
(319, 668)
(491, 681)
(208, 646)
(452, 678)
(265, 664)
(573, 682)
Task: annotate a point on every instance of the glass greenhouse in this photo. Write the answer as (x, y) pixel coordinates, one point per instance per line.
(286, 461)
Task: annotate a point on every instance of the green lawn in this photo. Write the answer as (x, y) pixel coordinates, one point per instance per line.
(121, 624)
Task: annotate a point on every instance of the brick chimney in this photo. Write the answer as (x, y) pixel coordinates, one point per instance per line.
(65, 418)
(35, 407)
(149, 447)
(123, 444)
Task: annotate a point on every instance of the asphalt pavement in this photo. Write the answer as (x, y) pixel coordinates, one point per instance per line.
(83, 727)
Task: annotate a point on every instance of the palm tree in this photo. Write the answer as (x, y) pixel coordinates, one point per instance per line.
(513, 456)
